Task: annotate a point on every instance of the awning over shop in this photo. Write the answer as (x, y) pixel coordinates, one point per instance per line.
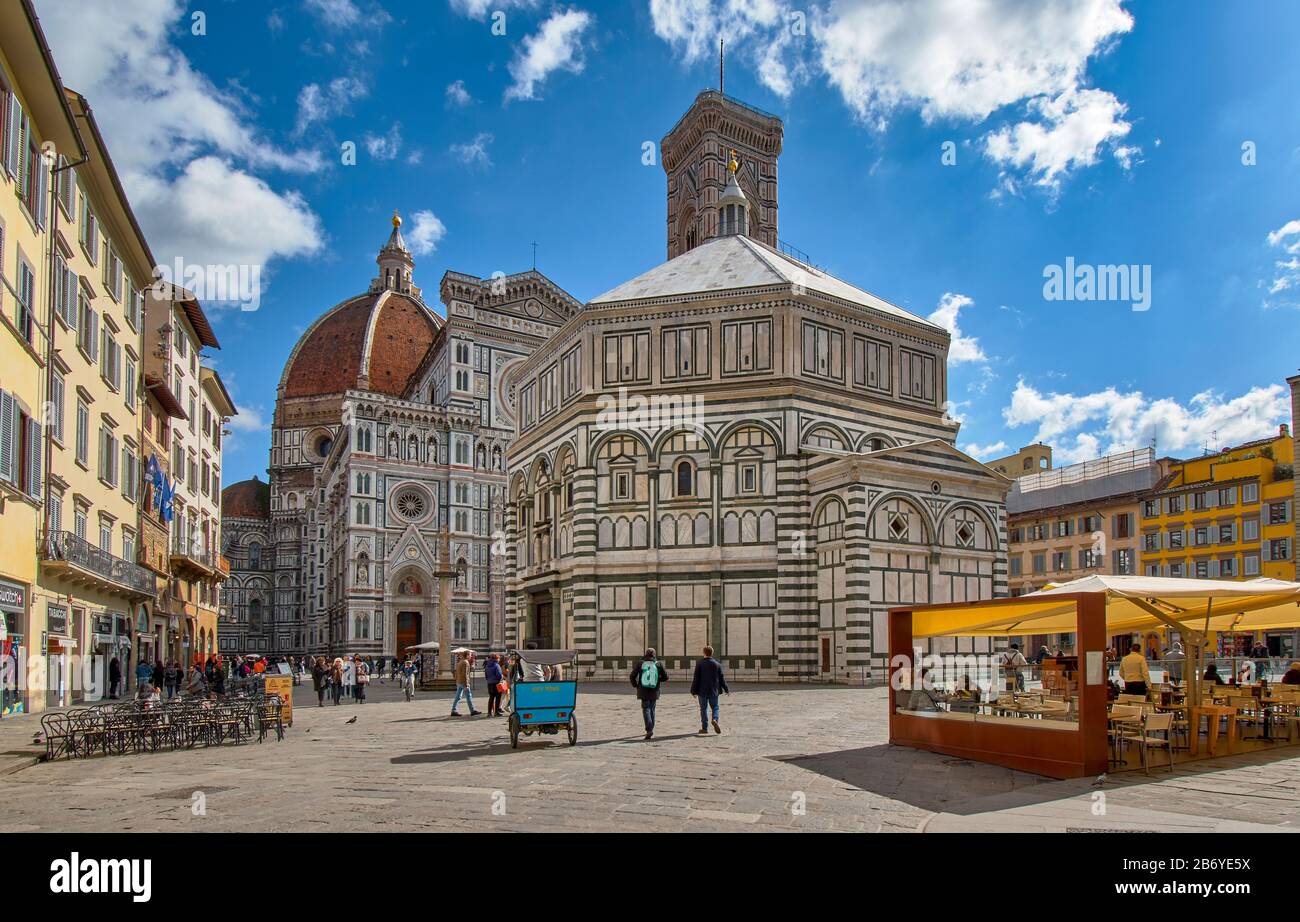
(1133, 603)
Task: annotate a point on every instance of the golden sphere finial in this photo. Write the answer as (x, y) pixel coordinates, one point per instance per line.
(397, 221)
(734, 164)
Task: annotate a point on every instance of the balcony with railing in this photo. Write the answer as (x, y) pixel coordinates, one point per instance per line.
(191, 558)
(75, 559)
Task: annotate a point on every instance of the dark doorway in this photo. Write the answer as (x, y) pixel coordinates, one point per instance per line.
(826, 654)
(408, 631)
(542, 626)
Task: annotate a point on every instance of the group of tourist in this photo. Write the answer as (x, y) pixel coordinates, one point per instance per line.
(348, 676)
(204, 678)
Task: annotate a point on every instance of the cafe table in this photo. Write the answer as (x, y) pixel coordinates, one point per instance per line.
(1214, 712)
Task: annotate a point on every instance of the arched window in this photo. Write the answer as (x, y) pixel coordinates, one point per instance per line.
(255, 556)
(685, 479)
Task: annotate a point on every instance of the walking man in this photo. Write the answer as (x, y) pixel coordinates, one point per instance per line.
(114, 677)
(647, 678)
(706, 684)
(463, 679)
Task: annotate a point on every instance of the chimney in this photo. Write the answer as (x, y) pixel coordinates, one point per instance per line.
(1284, 431)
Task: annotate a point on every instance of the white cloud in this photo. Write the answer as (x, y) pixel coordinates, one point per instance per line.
(186, 150)
(478, 9)
(203, 217)
(474, 153)
(248, 419)
(985, 451)
(1284, 287)
(317, 103)
(947, 59)
(385, 146)
(756, 31)
(457, 96)
(338, 14)
(1070, 131)
(962, 348)
(557, 45)
(427, 231)
(1084, 426)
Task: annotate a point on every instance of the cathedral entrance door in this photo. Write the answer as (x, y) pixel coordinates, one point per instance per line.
(828, 663)
(543, 626)
(408, 631)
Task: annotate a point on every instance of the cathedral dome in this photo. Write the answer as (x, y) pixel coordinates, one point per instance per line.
(248, 499)
(375, 342)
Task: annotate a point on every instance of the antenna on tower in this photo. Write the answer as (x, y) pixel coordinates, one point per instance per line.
(722, 57)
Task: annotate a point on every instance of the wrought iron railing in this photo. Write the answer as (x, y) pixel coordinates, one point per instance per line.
(193, 551)
(68, 547)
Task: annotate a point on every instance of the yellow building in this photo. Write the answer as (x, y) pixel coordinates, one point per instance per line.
(92, 589)
(35, 117)
(1228, 515)
(1032, 459)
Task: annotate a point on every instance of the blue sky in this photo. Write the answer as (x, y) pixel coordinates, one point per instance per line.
(1101, 131)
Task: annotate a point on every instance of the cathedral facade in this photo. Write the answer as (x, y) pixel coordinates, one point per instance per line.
(737, 449)
(387, 468)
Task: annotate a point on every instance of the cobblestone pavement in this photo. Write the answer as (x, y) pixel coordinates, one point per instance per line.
(791, 758)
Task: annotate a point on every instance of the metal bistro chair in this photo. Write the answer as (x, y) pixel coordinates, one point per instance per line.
(270, 713)
(1153, 724)
(60, 739)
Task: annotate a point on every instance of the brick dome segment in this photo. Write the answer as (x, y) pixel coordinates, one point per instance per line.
(247, 499)
(336, 352)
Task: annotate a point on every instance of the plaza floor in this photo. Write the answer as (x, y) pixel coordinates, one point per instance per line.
(791, 758)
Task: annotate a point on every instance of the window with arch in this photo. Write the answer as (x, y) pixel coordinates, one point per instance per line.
(823, 437)
(685, 478)
(255, 556)
(832, 588)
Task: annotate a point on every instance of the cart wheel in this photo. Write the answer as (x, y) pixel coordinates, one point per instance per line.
(514, 731)
(573, 730)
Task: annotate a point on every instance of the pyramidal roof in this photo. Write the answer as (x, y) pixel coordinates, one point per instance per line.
(735, 262)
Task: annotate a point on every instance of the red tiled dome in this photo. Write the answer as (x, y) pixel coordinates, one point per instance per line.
(342, 351)
(248, 499)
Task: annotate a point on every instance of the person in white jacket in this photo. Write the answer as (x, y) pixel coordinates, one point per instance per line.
(349, 676)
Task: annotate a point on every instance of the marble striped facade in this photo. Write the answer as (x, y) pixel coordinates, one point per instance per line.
(813, 503)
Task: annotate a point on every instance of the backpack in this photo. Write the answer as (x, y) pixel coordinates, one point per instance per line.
(649, 674)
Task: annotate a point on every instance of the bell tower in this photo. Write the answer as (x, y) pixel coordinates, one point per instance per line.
(697, 156)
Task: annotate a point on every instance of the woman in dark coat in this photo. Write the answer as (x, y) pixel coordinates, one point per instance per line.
(318, 674)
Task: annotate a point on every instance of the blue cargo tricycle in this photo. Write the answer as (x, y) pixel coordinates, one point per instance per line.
(545, 698)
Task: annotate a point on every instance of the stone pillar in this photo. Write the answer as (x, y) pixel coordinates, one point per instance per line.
(446, 575)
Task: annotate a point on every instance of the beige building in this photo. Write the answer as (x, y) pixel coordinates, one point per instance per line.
(1078, 520)
(178, 331)
(1031, 459)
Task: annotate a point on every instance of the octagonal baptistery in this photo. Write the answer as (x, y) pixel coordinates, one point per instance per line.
(737, 449)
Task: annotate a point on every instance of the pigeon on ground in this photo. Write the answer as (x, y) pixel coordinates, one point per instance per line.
(1101, 780)
(352, 721)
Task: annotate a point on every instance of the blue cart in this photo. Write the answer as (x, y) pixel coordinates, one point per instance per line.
(545, 698)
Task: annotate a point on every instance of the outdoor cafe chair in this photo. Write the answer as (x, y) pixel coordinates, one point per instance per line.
(1154, 724)
(1124, 725)
(59, 737)
(1249, 712)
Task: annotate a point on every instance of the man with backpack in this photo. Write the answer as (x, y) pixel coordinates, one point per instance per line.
(647, 678)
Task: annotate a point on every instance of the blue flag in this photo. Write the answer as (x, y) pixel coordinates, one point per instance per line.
(166, 509)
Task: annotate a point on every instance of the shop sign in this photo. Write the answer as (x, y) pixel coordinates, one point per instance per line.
(56, 618)
(103, 624)
(13, 597)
